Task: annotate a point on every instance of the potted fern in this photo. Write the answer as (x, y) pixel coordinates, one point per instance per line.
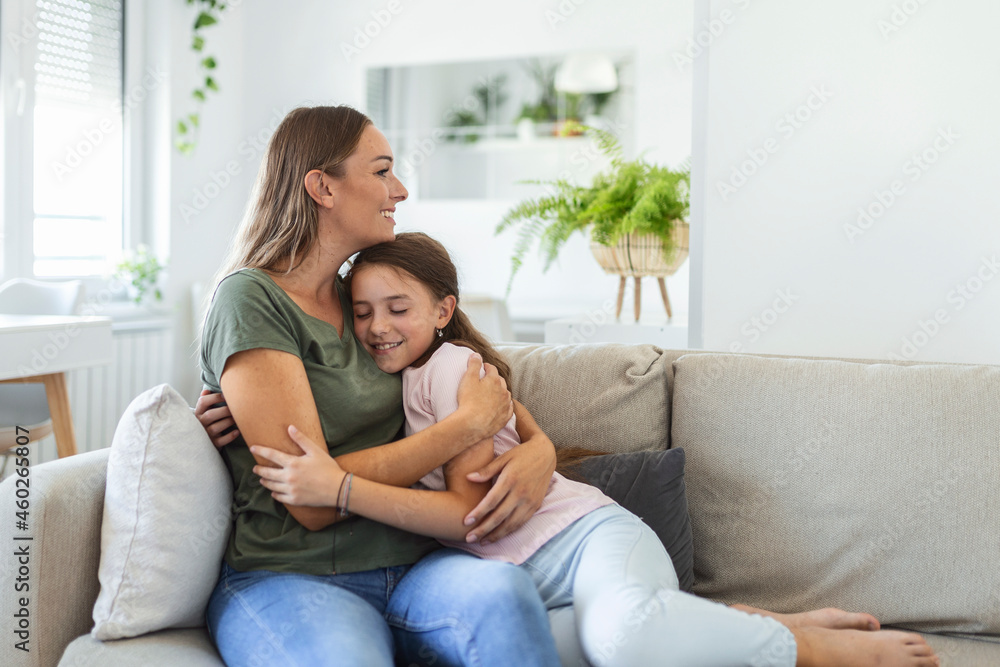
(635, 214)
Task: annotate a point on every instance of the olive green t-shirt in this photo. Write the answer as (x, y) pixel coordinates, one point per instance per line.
(359, 407)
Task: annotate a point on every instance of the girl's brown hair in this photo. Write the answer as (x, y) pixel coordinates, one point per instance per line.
(427, 260)
(280, 224)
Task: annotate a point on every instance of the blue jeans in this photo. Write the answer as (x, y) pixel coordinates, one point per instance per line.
(608, 577)
(449, 608)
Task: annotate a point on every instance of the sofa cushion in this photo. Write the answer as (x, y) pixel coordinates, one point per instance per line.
(166, 520)
(651, 486)
(871, 487)
(575, 392)
(166, 648)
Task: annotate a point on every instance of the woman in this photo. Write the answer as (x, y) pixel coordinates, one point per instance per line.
(302, 585)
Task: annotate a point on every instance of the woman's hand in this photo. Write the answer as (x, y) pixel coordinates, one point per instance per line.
(216, 421)
(523, 475)
(312, 479)
(486, 403)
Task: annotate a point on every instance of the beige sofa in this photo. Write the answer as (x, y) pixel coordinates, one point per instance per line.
(870, 486)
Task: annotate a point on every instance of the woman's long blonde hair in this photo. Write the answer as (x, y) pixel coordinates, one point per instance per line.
(279, 226)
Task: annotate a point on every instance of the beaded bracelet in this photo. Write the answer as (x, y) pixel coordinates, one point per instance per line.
(340, 494)
(347, 498)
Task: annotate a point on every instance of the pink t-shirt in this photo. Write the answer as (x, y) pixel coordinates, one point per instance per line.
(430, 393)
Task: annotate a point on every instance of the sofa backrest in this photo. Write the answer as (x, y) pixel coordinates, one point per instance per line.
(873, 487)
(66, 506)
(608, 397)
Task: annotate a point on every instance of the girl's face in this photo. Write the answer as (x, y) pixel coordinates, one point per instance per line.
(395, 315)
(367, 194)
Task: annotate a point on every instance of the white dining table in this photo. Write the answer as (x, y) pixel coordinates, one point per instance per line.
(42, 348)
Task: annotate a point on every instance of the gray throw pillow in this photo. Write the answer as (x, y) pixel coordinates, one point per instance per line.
(649, 484)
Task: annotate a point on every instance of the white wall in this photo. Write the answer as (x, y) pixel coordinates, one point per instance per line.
(274, 56)
(888, 89)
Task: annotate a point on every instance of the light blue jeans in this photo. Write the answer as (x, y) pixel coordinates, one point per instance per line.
(608, 577)
(450, 608)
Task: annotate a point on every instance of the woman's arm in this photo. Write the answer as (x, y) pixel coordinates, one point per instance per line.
(484, 407)
(267, 390)
(305, 480)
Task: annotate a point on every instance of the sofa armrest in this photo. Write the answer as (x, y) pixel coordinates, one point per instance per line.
(66, 506)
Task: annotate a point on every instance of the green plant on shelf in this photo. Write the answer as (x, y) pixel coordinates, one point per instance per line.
(633, 196)
(140, 270)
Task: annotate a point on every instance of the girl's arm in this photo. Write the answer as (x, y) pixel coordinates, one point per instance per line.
(303, 481)
(267, 390)
(522, 479)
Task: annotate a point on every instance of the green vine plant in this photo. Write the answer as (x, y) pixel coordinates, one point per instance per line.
(633, 196)
(209, 12)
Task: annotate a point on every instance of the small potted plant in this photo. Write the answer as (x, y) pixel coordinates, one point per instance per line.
(140, 271)
(635, 214)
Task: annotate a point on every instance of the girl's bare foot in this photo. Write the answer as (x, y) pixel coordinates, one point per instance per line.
(821, 647)
(830, 618)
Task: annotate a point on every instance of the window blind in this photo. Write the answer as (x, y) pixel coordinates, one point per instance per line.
(79, 56)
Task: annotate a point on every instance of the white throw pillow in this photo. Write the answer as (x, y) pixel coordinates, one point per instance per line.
(166, 520)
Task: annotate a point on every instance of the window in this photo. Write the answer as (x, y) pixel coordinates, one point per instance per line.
(67, 125)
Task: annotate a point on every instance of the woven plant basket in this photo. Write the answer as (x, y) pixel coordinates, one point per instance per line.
(641, 255)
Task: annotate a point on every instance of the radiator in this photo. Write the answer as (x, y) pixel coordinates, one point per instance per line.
(141, 353)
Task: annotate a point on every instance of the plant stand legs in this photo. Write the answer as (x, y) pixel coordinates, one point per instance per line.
(666, 299)
(621, 297)
(638, 297)
(623, 281)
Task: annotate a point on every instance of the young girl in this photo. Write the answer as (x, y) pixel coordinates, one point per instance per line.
(594, 563)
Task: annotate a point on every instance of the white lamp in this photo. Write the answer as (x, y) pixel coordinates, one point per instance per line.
(586, 73)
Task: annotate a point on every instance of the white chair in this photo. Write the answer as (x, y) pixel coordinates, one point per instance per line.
(489, 315)
(24, 404)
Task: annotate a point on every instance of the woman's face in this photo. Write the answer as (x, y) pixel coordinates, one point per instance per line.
(365, 197)
(395, 315)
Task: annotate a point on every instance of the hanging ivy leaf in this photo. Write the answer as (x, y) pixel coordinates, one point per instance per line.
(204, 19)
(187, 127)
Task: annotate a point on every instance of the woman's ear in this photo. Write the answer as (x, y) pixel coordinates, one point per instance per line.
(318, 185)
(446, 308)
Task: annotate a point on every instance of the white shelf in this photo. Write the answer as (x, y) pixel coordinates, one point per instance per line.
(668, 334)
